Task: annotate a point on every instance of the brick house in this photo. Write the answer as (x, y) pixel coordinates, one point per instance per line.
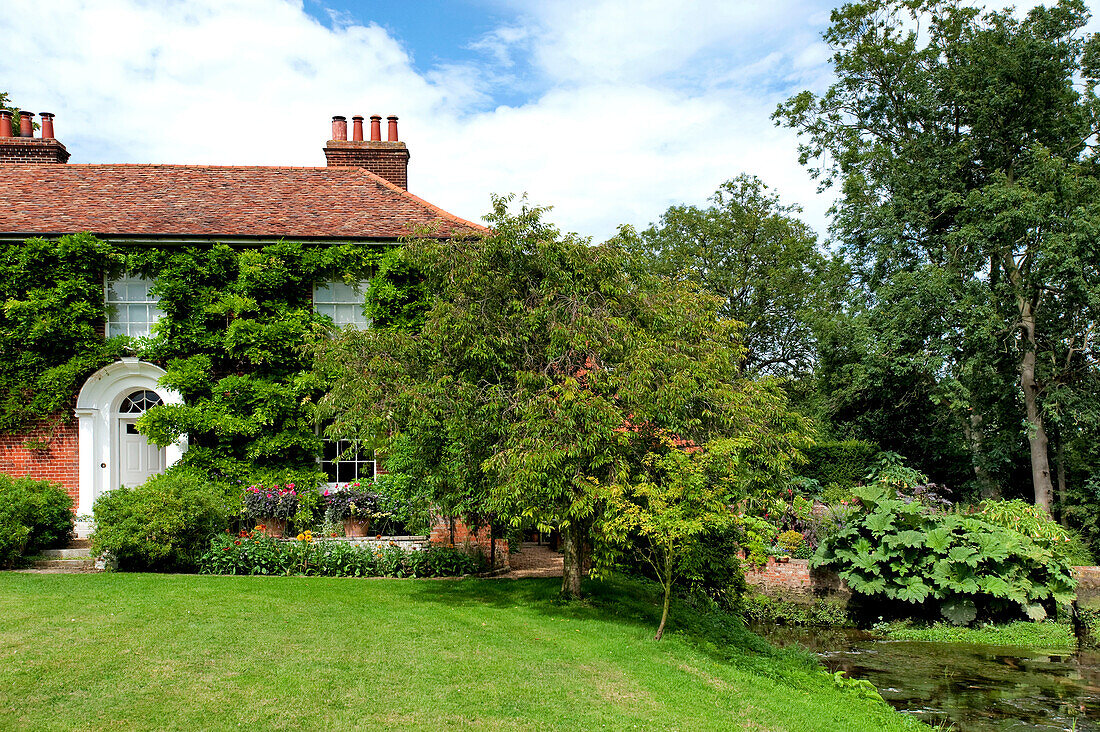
(359, 196)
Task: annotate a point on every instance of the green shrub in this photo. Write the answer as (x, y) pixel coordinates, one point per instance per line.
(13, 536)
(764, 610)
(1031, 520)
(44, 511)
(712, 568)
(841, 464)
(164, 524)
(970, 567)
(756, 535)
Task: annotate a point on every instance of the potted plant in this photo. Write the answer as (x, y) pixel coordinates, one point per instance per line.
(354, 505)
(271, 506)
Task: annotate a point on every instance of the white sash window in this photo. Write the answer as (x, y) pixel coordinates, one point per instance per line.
(341, 302)
(131, 310)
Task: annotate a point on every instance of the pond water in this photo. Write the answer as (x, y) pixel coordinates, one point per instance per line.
(974, 687)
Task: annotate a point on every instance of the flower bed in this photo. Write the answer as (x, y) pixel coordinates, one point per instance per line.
(253, 552)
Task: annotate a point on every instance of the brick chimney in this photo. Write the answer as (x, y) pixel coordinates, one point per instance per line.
(388, 159)
(24, 147)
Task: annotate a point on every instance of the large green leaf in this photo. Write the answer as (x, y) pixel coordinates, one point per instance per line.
(914, 590)
(964, 554)
(959, 611)
(938, 539)
(908, 538)
(994, 586)
(880, 522)
(991, 546)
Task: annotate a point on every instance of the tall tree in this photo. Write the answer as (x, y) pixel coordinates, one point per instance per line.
(964, 143)
(541, 372)
(758, 257)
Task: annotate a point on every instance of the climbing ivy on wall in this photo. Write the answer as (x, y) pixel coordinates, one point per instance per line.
(50, 336)
(236, 338)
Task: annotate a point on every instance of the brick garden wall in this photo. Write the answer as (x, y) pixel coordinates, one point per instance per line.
(463, 535)
(47, 451)
(794, 580)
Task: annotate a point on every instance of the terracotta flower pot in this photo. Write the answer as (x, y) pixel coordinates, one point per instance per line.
(356, 528)
(273, 527)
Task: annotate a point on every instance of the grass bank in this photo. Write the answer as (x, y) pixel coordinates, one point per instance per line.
(138, 651)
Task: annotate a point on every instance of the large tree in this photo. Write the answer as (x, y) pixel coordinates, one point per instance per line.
(964, 145)
(761, 260)
(541, 373)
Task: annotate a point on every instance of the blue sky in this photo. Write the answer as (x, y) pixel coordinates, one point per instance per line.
(607, 110)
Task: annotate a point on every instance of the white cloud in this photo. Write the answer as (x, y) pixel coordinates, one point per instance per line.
(640, 104)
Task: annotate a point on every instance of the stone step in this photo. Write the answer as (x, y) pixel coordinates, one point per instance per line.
(70, 553)
(66, 565)
(79, 543)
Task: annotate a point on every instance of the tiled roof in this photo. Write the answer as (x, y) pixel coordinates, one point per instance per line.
(212, 201)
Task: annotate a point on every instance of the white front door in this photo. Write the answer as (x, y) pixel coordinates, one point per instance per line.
(138, 458)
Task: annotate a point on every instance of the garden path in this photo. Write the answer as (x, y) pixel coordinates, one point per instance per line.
(534, 560)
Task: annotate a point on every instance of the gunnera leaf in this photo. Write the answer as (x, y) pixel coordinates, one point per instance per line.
(959, 611)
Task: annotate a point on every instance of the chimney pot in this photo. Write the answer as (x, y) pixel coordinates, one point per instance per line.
(26, 125)
(357, 128)
(393, 127)
(339, 128)
(5, 123)
(376, 128)
(47, 125)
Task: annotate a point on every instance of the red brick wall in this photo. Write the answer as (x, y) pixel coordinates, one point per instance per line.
(440, 534)
(58, 460)
(795, 579)
(32, 150)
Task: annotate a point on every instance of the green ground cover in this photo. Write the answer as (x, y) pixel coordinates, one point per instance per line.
(1047, 635)
(143, 651)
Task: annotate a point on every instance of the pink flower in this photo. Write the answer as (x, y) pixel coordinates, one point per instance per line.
(289, 485)
(326, 492)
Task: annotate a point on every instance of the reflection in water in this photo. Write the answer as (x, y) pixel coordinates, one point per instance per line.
(974, 687)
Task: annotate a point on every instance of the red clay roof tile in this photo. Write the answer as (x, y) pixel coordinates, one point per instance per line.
(213, 201)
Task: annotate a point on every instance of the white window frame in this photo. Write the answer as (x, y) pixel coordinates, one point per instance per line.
(119, 307)
(347, 454)
(330, 297)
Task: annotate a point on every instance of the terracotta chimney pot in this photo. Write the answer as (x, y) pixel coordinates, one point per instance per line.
(392, 127)
(357, 128)
(376, 128)
(339, 128)
(5, 123)
(47, 125)
(26, 124)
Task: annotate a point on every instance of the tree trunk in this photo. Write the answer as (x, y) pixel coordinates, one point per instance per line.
(972, 429)
(666, 582)
(1037, 436)
(572, 537)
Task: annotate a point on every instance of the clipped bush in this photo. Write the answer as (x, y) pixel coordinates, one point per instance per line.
(839, 465)
(34, 515)
(969, 566)
(164, 524)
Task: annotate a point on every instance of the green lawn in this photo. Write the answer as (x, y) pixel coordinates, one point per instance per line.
(139, 651)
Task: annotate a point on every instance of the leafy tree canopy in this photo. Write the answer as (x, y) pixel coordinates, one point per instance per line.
(963, 145)
(542, 373)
